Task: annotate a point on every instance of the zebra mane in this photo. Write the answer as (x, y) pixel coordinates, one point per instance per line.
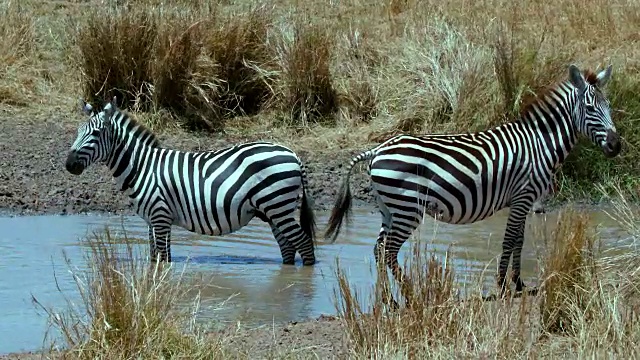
(529, 102)
(140, 128)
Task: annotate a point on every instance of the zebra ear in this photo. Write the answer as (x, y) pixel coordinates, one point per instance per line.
(85, 107)
(110, 109)
(576, 78)
(603, 77)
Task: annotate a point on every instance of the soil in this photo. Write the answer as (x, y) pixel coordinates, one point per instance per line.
(33, 179)
(321, 338)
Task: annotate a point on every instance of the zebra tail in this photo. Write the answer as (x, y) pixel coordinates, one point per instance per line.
(342, 206)
(307, 216)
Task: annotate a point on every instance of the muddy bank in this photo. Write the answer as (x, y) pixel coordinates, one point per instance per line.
(322, 338)
(33, 179)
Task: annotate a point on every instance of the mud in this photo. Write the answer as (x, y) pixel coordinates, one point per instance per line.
(322, 338)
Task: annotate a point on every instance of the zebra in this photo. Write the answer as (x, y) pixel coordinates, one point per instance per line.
(465, 178)
(211, 193)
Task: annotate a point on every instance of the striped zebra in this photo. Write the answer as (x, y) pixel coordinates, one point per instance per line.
(212, 193)
(465, 178)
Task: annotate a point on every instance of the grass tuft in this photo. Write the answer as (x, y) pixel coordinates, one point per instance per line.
(129, 309)
(587, 305)
(116, 50)
(18, 42)
(307, 93)
(569, 273)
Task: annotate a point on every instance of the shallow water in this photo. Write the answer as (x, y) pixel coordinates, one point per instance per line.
(243, 273)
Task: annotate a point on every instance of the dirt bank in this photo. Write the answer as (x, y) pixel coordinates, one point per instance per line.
(322, 338)
(33, 179)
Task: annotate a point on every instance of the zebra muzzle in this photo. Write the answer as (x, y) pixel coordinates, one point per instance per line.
(612, 145)
(73, 164)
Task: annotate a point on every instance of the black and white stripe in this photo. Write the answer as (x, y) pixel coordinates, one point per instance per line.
(464, 178)
(213, 193)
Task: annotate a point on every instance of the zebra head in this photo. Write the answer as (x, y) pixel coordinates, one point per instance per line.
(592, 115)
(94, 140)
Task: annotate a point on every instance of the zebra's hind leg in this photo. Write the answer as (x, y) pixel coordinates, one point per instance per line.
(390, 246)
(153, 253)
(289, 229)
(287, 250)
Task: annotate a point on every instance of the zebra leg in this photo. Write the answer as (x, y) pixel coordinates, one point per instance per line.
(153, 254)
(378, 252)
(287, 250)
(290, 230)
(162, 237)
(391, 247)
(512, 243)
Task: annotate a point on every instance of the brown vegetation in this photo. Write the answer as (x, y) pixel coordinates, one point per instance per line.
(129, 308)
(355, 72)
(583, 310)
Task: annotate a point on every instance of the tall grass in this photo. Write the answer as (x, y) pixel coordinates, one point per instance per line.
(583, 308)
(18, 41)
(356, 72)
(128, 309)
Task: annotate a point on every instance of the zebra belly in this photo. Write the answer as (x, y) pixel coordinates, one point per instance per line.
(213, 222)
(407, 195)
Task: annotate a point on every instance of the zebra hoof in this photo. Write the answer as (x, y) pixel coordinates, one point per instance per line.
(288, 262)
(310, 262)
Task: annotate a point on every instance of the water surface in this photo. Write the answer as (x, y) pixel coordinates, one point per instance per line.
(244, 277)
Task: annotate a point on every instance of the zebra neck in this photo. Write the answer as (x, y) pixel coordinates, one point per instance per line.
(127, 162)
(551, 123)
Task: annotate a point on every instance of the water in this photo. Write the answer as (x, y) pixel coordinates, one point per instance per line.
(243, 273)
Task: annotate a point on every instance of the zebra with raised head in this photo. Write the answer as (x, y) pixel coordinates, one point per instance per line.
(464, 178)
(212, 193)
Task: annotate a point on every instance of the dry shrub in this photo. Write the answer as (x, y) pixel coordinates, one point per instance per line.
(587, 306)
(435, 322)
(432, 302)
(306, 87)
(176, 52)
(116, 51)
(523, 68)
(129, 309)
(354, 78)
(234, 75)
(198, 65)
(569, 271)
(436, 80)
(17, 45)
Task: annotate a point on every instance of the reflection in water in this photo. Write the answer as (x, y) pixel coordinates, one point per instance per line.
(239, 276)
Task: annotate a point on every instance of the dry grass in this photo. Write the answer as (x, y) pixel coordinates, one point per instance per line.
(583, 310)
(307, 91)
(569, 274)
(587, 308)
(17, 47)
(129, 309)
(116, 50)
(342, 75)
